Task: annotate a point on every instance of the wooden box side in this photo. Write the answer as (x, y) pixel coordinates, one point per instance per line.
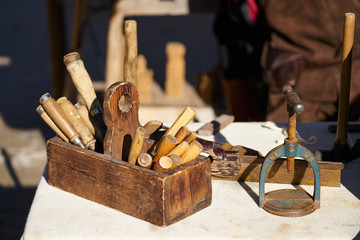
(99, 178)
(187, 190)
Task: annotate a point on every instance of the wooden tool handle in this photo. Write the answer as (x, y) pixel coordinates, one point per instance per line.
(58, 116)
(82, 82)
(121, 106)
(179, 149)
(190, 137)
(51, 124)
(176, 160)
(216, 125)
(181, 133)
(152, 126)
(137, 145)
(294, 104)
(167, 144)
(145, 160)
(343, 111)
(182, 120)
(78, 123)
(163, 165)
(194, 150)
(131, 51)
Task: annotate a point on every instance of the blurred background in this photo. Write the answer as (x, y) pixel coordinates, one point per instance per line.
(26, 73)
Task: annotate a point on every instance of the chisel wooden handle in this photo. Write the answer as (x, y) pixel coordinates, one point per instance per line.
(167, 144)
(182, 120)
(145, 160)
(190, 137)
(179, 149)
(82, 82)
(51, 124)
(163, 165)
(181, 133)
(194, 150)
(137, 145)
(131, 51)
(78, 123)
(58, 116)
(152, 126)
(176, 160)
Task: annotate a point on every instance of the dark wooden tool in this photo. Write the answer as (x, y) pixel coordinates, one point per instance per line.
(121, 106)
(290, 202)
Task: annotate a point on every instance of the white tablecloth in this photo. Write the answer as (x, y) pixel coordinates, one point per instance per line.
(233, 213)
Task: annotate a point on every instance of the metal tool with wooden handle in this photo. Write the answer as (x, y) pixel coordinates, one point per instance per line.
(78, 123)
(41, 111)
(58, 116)
(84, 86)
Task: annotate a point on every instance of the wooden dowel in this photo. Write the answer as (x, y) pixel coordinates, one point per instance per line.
(176, 160)
(190, 137)
(144, 160)
(58, 116)
(194, 150)
(50, 123)
(152, 126)
(182, 120)
(163, 165)
(131, 51)
(343, 111)
(179, 149)
(181, 133)
(167, 144)
(78, 123)
(137, 145)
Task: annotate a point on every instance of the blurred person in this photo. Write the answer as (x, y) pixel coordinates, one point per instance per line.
(305, 51)
(241, 35)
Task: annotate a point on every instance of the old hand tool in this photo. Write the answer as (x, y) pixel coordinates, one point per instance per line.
(341, 151)
(216, 125)
(84, 86)
(225, 164)
(290, 202)
(58, 116)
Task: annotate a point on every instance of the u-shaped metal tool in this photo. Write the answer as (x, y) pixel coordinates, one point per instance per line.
(290, 202)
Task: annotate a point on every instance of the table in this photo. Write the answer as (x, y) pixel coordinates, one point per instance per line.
(233, 213)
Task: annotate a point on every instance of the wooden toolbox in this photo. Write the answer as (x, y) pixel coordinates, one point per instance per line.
(158, 198)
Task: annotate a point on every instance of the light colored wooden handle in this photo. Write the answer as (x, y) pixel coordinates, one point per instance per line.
(152, 126)
(190, 137)
(84, 113)
(167, 144)
(131, 51)
(179, 149)
(58, 116)
(163, 165)
(50, 123)
(194, 150)
(182, 120)
(343, 113)
(82, 80)
(176, 160)
(181, 134)
(137, 145)
(78, 123)
(145, 160)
